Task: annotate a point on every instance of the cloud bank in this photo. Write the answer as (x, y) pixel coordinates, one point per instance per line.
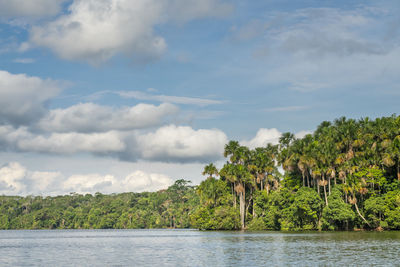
(16, 179)
(89, 117)
(31, 8)
(23, 98)
(94, 31)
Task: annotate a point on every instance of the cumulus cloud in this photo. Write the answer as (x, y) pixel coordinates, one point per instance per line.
(23, 98)
(263, 137)
(89, 117)
(69, 143)
(89, 183)
(167, 144)
(40, 182)
(137, 181)
(10, 136)
(31, 8)
(22, 140)
(11, 179)
(16, 179)
(170, 99)
(94, 31)
(182, 144)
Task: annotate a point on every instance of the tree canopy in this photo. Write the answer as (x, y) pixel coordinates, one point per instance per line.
(345, 175)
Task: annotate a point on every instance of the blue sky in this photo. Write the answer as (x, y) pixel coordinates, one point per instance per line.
(121, 95)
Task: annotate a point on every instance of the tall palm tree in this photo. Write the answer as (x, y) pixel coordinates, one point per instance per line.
(210, 170)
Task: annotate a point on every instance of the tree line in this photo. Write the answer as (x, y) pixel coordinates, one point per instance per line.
(343, 176)
(168, 208)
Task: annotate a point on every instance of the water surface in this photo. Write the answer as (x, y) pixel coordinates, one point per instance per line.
(197, 248)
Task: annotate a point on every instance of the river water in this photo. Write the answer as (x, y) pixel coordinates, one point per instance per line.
(197, 248)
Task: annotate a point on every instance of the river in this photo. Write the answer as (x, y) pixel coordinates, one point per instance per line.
(197, 248)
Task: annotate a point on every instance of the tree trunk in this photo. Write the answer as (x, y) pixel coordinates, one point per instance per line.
(326, 197)
(318, 186)
(329, 185)
(244, 199)
(252, 203)
(304, 179)
(359, 213)
(241, 206)
(234, 195)
(248, 205)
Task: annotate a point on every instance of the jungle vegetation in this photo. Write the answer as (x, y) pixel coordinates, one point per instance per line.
(166, 208)
(344, 176)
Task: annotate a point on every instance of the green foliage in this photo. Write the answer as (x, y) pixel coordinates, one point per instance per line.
(338, 215)
(392, 209)
(216, 211)
(165, 208)
(257, 224)
(306, 209)
(212, 192)
(375, 210)
(345, 175)
(219, 218)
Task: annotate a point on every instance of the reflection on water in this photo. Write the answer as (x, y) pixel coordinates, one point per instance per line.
(197, 248)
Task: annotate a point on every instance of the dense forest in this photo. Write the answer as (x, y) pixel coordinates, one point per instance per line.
(162, 209)
(344, 176)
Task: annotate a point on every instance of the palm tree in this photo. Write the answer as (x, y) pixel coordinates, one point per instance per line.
(231, 151)
(228, 173)
(210, 170)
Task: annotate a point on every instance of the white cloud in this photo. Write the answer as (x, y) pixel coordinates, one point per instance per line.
(22, 140)
(268, 136)
(89, 183)
(170, 99)
(69, 143)
(140, 181)
(94, 31)
(23, 98)
(31, 8)
(11, 179)
(16, 179)
(41, 182)
(302, 134)
(137, 181)
(9, 136)
(166, 144)
(182, 144)
(263, 137)
(89, 117)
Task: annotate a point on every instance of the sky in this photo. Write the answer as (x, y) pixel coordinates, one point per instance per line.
(130, 95)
